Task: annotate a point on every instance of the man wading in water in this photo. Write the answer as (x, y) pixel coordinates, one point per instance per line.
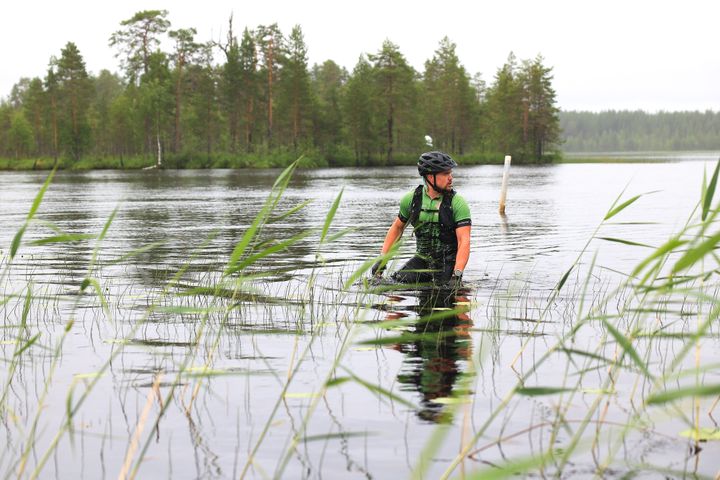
(441, 225)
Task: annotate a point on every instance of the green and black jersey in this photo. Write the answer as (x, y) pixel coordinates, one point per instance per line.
(427, 229)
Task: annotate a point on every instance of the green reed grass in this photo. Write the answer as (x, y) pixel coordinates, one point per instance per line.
(682, 271)
(687, 250)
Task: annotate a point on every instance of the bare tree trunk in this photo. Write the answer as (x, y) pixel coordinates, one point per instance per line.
(159, 146)
(159, 152)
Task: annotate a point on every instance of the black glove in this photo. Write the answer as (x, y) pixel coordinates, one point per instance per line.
(455, 281)
(378, 268)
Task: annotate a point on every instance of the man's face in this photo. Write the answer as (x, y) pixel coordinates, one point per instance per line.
(444, 180)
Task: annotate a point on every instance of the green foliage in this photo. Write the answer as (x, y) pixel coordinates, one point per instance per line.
(395, 97)
(137, 40)
(295, 98)
(627, 131)
(362, 116)
(75, 92)
(183, 108)
(451, 114)
(521, 117)
(20, 135)
(327, 83)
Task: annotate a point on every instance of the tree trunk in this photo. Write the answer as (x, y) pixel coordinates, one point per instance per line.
(209, 132)
(270, 94)
(248, 124)
(75, 142)
(178, 94)
(159, 146)
(296, 122)
(55, 130)
(233, 131)
(390, 122)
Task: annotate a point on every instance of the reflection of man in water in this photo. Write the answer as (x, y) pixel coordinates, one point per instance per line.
(434, 350)
(441, 223)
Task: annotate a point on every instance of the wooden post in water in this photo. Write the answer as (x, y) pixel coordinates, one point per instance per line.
(503, 188)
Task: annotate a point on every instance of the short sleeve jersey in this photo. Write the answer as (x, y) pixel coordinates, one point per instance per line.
(429, 211)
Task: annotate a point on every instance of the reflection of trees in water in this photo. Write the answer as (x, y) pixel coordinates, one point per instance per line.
(435, 350)
(63, 263)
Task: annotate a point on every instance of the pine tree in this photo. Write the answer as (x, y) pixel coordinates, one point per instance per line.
(74, 93)
(328, 81)
(20, 135)
(51, 87)
(203, 115)
(156, 100)
(34, 101)
(137, 43)
(449, 101)
(231, 86)
(250, 81)
(294, 95)
(540, 114)
(138, 39)
(271, 45)
(186, 51)
(361, 111)
(504, 111)
(108, 87)
(394, 79)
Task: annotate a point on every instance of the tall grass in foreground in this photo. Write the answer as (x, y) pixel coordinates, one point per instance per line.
(648, 365)
(224, 293)
(638, 317)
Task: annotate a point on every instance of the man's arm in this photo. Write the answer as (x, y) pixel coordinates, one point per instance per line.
(393, 235)
(463, 254)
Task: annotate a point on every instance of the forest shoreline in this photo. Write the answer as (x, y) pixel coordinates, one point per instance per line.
(311, 161)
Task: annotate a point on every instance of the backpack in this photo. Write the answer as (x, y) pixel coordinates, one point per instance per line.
(445, 214)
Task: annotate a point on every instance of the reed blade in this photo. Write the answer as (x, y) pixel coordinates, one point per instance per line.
(709, 192)
(540, 391)
(330, 216)
(64, 238)
(626, 345)
(621, 207)
(679, 393)
(625, 242)
(693, 255)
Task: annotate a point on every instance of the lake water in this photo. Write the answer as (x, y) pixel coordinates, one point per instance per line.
(221, 361)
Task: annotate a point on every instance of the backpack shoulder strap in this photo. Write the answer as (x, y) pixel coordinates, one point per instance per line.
(447, 219)
(416, 205)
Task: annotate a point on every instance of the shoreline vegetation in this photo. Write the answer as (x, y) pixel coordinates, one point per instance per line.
(252, 99)
(258, 161)
(282, 160)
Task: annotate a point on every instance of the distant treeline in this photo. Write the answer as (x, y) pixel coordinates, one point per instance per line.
(252, 100)
(637, 131)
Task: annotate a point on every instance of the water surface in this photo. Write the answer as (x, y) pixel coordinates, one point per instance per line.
(297, 316)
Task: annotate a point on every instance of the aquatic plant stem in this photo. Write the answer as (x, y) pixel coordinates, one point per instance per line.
(132, 448)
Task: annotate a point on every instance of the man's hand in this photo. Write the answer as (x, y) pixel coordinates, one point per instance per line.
(455, 281)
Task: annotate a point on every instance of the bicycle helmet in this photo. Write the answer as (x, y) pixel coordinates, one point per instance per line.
(435, 162)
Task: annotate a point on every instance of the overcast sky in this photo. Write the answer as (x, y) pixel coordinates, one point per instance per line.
(605, 54)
